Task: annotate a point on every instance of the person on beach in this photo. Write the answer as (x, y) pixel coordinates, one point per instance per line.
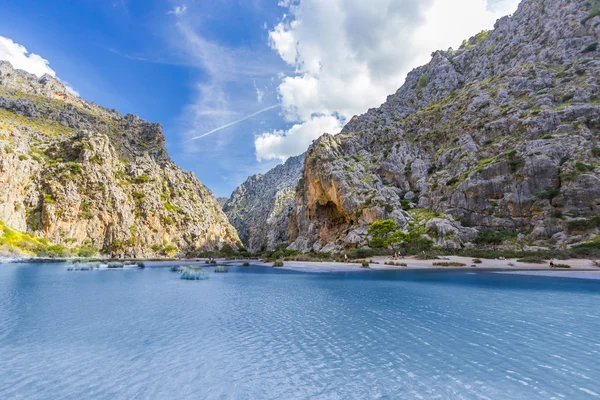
(551, 263)
(345, 257)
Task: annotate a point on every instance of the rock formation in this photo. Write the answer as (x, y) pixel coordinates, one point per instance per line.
(221, 201)
(499, 135)
(259, 208)
(82, 175)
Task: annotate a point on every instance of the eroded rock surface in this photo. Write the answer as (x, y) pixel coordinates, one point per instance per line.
(79, 174)
(260, 207)
(501, 134)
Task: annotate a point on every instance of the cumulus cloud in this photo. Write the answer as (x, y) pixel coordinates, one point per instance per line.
(348, 55)
(178, 10)
(20, 58)
(281, 145)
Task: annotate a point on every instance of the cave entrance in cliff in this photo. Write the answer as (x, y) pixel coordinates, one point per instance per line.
(334, 221)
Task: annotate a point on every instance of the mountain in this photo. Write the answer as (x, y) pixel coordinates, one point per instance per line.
(260, 207)
(221, 201)
(80, 175)
(500, 135)
(496, 142)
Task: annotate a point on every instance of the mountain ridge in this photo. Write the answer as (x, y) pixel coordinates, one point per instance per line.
(498, 139)
(259, 208)
(509, 106)
(80, 174)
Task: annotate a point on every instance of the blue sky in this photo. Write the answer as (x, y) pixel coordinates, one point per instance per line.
(197, 66)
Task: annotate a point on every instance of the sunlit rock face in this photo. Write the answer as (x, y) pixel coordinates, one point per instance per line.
(501, 134)
(259, 208)
(79, 174)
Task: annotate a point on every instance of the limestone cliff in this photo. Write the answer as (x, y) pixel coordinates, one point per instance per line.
(499, 135)
(259, 208)
(82, 175)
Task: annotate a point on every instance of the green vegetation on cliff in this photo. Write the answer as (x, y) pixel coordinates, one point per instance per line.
(22, 244)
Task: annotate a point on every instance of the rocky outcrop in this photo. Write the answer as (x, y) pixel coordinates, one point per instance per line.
(221, 201)
(82, 175)
(259, 208)
(499, 135)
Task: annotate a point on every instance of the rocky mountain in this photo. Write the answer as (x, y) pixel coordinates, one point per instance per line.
(499, 136)
(260, 207)
(221, 201)
(80, 175)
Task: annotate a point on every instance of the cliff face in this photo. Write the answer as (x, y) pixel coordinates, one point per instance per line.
(79, 174)
(259, 208)
(501, 134)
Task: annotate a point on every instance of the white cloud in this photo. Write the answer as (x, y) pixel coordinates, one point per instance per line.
(348, 55)
(227, 90)
(283, 144)
(20, 58)
(178, 10)
(259, 93)
(70, 88)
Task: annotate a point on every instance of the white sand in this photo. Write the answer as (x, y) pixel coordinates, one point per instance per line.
(413, 264)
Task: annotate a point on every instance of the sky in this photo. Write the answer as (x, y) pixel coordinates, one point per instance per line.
(238, 85)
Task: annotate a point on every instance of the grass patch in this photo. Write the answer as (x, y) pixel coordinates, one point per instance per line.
(423, 81)
(580, 225)
(397, 264)
(492, 237)
(583, 167)
(449, 264)
(548, 194)
(593, 13)
(531, 260)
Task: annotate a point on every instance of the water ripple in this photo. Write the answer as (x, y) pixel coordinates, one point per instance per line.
(255, 333)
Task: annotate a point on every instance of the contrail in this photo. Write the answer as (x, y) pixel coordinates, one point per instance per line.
(233, 123)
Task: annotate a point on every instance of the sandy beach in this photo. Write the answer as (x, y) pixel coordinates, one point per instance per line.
(580, 268)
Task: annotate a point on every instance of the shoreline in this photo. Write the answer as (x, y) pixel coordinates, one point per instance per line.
(580, 268)
(576, 264)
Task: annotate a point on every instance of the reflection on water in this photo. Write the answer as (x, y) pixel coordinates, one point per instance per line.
(264, 333)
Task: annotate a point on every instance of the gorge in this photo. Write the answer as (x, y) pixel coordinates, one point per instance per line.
(500, 135)
(498, 139)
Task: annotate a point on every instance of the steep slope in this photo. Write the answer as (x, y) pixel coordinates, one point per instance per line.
(259, 208)
(221, 201)
(82, 175)
(500, 135)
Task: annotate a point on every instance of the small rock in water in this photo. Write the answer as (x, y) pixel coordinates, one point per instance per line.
(193, 273)
(78, 266)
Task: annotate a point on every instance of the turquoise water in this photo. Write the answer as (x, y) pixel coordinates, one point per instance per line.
(260, 333)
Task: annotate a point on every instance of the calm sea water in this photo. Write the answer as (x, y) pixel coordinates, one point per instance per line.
(260, 333)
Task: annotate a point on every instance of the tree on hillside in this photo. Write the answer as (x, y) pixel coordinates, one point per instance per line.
(385, 234)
